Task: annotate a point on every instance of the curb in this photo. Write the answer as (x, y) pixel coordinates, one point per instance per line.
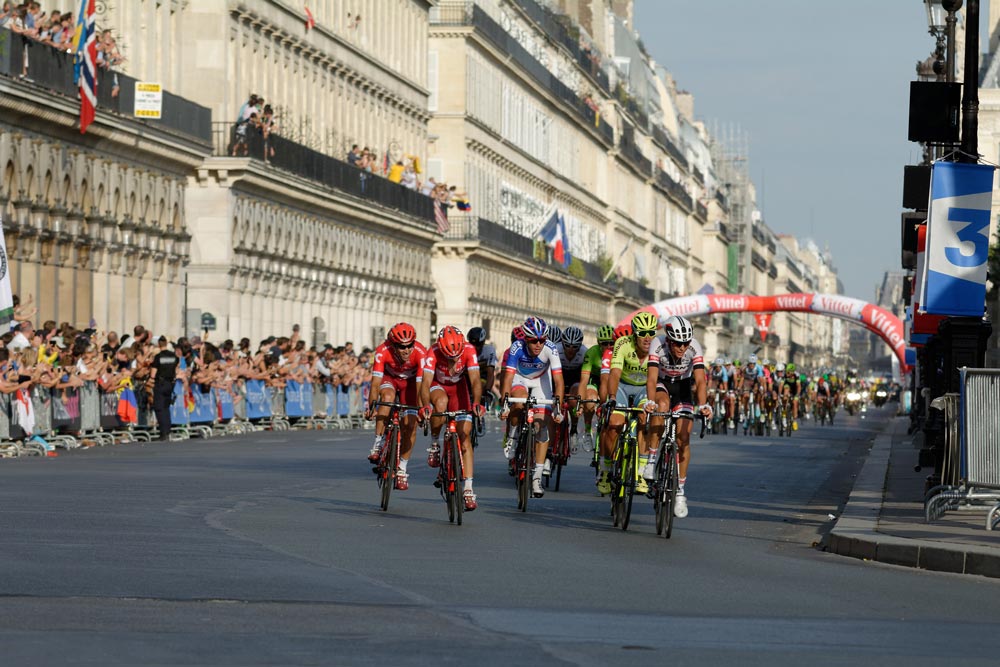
(855, 534)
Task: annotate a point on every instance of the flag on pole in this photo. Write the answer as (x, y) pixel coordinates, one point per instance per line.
(553, 232)
(310, 21)
(88, 78)
(6, 298)
(79, 40)
(441, 218)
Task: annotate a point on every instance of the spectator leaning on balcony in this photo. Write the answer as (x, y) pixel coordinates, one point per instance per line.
(396, 171)
(354, 155)
(268, 126)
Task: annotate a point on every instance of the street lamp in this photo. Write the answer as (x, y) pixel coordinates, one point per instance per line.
(941, 22)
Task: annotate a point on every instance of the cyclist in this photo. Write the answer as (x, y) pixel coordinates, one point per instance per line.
(396, 372)
(572, 353)
(555, 335)
(533, 366)
(677, 376)
(627, 388)
(594, 375)
(790, 390)
(718, 382)
(450, 369)
(486, 353)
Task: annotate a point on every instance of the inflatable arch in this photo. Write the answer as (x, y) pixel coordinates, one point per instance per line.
(877, 320)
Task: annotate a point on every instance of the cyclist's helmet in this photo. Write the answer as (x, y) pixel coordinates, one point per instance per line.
(451, 341)
(517, 333)
(441, 332)
(402, 334)
(737, 363)
(751, 360)
(780, 368)
(572, 337)
(644, 323)
(554, 334)
(678, 329)
(719, 361)
(535, 327)
(606, 334)
(477, 336)
(790, 367)
(765, 363)
(623, 330)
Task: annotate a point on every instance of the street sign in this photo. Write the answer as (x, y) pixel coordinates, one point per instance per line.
(207, 322)
(148, 100)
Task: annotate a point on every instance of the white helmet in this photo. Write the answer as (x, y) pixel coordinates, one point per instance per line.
(678, 329)
(572, 337)
(780, 368)
(752, 359)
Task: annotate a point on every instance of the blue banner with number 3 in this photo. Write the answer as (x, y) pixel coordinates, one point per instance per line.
(958, 239)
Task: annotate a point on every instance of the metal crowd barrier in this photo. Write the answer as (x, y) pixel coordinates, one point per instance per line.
(971, 469)
(72, 417)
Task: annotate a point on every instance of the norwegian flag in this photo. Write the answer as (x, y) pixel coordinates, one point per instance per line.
(310, 21)
(88, 78)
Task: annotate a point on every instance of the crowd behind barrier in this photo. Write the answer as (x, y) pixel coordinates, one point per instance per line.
(62, 388)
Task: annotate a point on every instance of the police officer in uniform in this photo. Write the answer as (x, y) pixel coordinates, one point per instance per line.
(165, 373)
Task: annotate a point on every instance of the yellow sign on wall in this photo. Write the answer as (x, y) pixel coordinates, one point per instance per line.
(148, 100)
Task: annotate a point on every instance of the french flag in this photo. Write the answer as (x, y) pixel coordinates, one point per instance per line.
(553, 232)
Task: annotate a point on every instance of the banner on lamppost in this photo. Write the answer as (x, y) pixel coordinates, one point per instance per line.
(958, 225)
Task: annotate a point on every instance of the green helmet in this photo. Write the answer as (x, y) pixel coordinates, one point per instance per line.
(790, 367)
(606, 334)
(644, 321)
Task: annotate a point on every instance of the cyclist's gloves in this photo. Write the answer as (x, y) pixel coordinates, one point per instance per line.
(426, 411)
(479, 409)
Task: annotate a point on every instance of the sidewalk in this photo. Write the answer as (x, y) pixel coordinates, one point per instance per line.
(884, 516)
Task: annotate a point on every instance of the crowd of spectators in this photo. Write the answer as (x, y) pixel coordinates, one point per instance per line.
(60, 357)
(256, 117)
(56, 29)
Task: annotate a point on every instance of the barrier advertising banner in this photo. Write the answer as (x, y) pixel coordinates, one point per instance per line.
(958, 243)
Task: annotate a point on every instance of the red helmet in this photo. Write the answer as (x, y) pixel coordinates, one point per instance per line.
(451, 342)
(402, 334)
(623, 330)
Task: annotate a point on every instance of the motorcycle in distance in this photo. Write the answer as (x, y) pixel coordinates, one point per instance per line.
(880, 396)
(854, 402)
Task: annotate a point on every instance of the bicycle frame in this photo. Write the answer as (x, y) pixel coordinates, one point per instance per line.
(625, 467)
(452, 470)
(388, 463)
(524, 455)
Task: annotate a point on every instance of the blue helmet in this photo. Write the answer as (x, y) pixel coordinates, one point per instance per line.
(535, 327)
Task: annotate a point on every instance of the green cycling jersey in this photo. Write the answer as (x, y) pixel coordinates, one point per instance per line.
(626, 358)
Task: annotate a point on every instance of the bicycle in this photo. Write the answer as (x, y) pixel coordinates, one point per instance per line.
(451, 473)
(560, 450)
(625, 467)
(387, 466)
(594, 446)
(524, 454)
(663, 490)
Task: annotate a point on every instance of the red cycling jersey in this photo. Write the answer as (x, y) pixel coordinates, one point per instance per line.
(436, 362)
(386, 362)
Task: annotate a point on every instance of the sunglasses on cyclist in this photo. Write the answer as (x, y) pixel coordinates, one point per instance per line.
(645, 333)
(607, 343)
(676, 344)
(404, 347)
(532, 341)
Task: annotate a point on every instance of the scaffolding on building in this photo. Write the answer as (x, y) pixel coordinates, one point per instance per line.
(730, 151)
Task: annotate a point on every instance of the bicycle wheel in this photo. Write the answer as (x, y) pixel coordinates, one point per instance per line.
(671, 482)
(524, 469)
(389, 463)
(447, 481)
(560, 451)
(662, 497)
(458, 495)
(629, 471)
(616, 477)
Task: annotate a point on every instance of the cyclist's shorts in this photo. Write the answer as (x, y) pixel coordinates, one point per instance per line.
(571, 376)
(792, 389)
(458, 397)
(406, 391)
(681, 397)
(539, 387)
(632, 395)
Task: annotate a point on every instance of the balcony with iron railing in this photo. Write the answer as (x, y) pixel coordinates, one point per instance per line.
(52, 70)
(630, 150)
(276, 152)
(660, 137)
(701, 211)
(494, 236)
(675, 191)
(470, 14)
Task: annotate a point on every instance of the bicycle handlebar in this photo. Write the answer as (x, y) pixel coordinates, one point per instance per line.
(535, 401)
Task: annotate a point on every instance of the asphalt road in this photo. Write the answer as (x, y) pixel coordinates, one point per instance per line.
(270, 549)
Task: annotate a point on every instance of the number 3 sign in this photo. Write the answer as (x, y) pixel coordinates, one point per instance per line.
(958, 228)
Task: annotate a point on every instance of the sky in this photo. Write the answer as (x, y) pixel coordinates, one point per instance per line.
(822, 91)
